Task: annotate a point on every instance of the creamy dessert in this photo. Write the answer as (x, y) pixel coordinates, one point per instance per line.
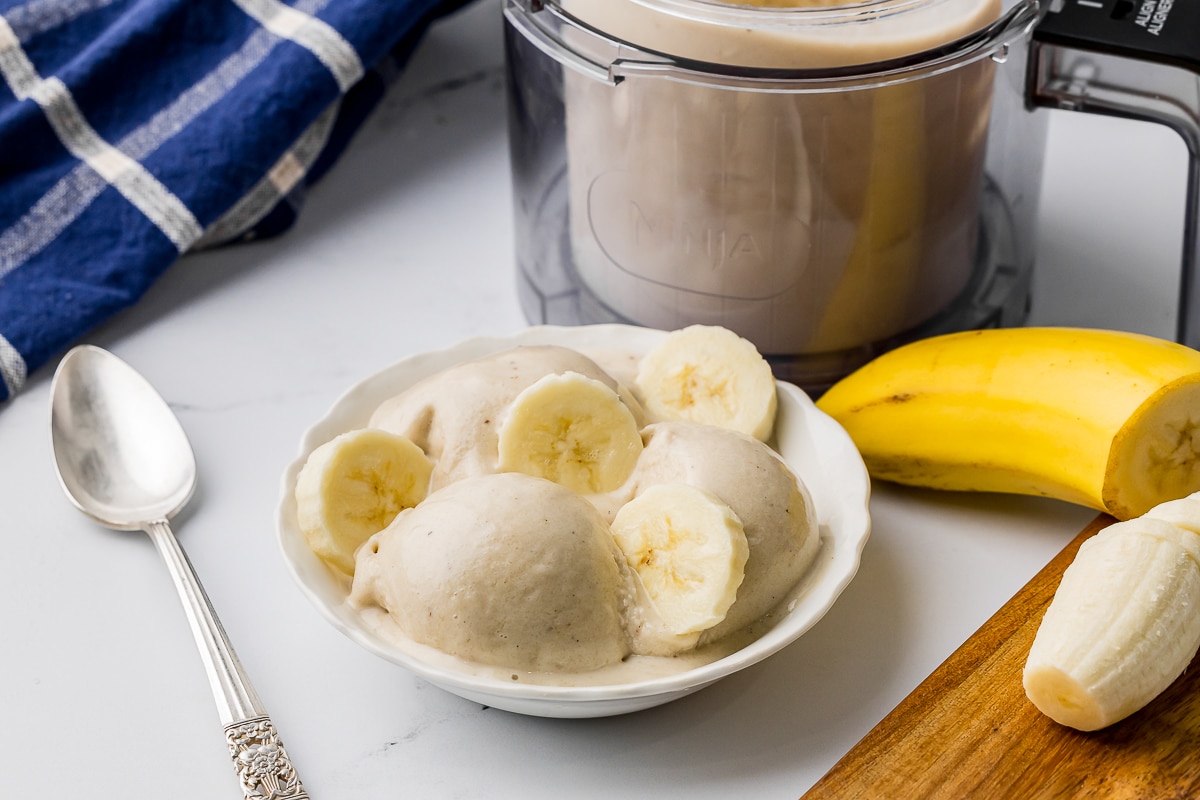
(454, 416)
(773, 506)
(568, 535)
(507, 570)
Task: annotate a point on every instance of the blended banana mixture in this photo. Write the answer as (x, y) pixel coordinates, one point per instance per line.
(517, 577)
(772, 504)
(454, 416)
(505, 569)
(807, 221)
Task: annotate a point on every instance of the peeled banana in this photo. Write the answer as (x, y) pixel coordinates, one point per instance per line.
(572, 430)
(1124, 622)
(1105, 419)
(689, 549)
(709, 374)
(353, 486)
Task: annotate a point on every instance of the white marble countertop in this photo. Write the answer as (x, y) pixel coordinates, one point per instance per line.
(406, 246)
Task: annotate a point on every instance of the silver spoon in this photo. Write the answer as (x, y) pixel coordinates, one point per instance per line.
(124, 460)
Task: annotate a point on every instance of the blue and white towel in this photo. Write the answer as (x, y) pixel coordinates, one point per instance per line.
(133, 131)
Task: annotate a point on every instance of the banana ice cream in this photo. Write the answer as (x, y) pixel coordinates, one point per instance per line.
(808, 221)
(569, 535)
(775, 509)
(454, 416)
(504, 569)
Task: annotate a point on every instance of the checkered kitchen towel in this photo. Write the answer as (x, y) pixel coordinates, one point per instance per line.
(133, 131)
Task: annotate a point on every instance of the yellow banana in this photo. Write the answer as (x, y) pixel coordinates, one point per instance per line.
(1105, 419)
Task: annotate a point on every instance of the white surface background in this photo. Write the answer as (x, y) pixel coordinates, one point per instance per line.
(406, 246)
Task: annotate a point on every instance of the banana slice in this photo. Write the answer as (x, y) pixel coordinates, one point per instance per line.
(572, 430)
(709, 374)
(353, 486)
(690, 551)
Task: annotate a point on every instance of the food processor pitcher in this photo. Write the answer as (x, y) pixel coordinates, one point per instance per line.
(828, 181)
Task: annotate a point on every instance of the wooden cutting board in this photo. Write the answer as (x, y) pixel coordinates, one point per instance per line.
(968, 730)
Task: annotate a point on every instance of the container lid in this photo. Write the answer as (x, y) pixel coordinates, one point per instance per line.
(782, 34)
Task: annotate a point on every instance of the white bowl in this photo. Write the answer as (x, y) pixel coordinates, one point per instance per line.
(813, 444)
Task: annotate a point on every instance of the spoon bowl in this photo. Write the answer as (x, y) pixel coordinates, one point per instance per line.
(122, 456)
(124, 460)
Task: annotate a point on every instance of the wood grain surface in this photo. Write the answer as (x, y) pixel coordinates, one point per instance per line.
(968, 730)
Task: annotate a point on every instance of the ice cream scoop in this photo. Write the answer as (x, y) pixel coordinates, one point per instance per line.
(454, 416)
(775, 508)
(507, 570)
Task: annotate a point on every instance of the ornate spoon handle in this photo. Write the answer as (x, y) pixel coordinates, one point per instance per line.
(263, 765)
